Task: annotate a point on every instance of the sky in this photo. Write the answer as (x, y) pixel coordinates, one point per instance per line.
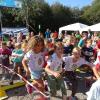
(72, 3)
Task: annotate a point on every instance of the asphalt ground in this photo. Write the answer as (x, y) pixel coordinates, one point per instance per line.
(20, 93)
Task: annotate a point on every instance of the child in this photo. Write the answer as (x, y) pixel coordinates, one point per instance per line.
(96, 69)
(33, 61)
(71, 63)
(68, 47)
(54, 70)
(95, 38)
(4, 56)
(16, 57)
(82, 40)
(10, 46)
(94, 92)
(88, 51)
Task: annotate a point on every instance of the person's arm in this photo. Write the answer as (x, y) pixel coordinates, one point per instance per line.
(96, 73)
(80, 43)
(20, 55)
(48, 70)
(24, 63)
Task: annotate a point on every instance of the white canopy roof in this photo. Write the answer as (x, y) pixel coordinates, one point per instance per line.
(73, 27)
(95, 27)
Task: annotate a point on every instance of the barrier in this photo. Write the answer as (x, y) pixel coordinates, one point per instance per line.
(3, 94)
(3, 89)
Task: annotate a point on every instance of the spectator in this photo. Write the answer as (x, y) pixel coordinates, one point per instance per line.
(4, 57)
(47, 33)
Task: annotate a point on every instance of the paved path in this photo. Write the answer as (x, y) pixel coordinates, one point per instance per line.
(21, 94)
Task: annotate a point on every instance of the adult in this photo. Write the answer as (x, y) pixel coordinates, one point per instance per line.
(19, 37)
(47, 33)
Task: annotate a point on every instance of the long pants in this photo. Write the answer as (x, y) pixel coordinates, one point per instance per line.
(5, 72)
(72, 78)
(56, 84)
(17, 68)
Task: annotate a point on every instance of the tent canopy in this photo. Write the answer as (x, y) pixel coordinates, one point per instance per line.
(95, 27)
(73, 27)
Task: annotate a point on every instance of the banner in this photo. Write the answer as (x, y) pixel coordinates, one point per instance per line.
(11, 3)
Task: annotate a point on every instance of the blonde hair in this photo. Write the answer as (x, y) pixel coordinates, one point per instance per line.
(77, 49)
(58, 44)
(18, 45)
(68, 38)
(24, 44)
(34, 41)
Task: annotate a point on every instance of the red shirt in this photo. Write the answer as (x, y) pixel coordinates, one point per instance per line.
(4, 56)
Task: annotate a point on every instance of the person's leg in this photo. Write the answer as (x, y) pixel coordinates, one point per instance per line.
(19, 68)
(7, 74)
(61, 85)
(74, 86)
(13, 74)
(38, 83)
(52, 84)
(72, 78)
(3, 72)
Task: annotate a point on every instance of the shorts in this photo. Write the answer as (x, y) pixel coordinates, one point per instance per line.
(36, 74)
(17, 64)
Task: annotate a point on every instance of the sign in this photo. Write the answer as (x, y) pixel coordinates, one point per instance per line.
(11, 3)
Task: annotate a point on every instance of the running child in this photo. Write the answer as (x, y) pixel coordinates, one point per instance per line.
(68, 47)
(16, 58)
(71, 63)
(33, 62)
(94, 92)
(54, 71)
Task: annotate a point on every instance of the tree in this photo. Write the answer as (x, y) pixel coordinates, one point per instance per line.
(92, 13)
(61, 15)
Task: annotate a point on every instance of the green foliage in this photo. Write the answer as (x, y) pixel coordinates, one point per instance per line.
(37, 12)
(92, 13)
(61, 15)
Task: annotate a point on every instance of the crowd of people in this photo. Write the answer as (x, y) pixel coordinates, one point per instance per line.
(57, 54)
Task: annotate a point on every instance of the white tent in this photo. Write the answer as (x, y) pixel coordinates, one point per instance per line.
(95, 27)
(73, 27)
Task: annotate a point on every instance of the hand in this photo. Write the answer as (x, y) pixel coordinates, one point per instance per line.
(57, 75)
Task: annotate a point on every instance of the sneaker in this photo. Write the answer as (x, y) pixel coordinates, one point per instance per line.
(72, 98)
(3, 78)
(11, 82)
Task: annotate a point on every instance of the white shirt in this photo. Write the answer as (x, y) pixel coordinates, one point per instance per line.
(94, 92)
(35, 61)
(71, 66)
(55, 63)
